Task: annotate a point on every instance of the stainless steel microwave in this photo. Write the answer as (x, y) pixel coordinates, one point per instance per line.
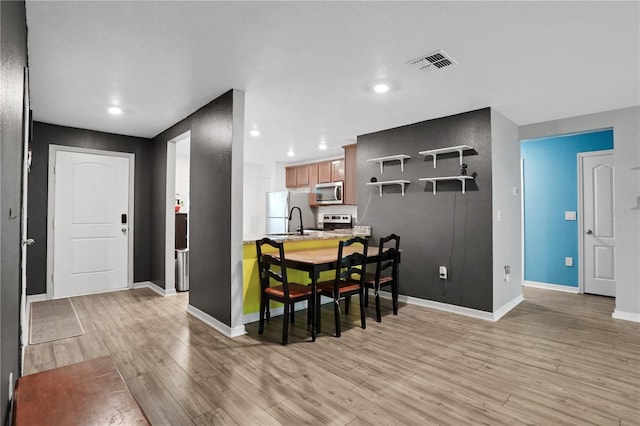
(329, 193)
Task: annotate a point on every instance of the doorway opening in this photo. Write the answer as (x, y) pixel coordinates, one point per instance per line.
(177, 214)
(551, 214)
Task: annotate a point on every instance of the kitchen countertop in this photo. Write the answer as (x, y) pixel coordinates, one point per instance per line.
(308, 236)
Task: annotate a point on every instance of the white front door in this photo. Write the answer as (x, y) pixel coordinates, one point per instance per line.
(598, 225)
(90, 247)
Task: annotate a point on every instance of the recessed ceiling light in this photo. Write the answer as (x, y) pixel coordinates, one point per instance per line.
(254, 132)
(290, 153)
(322, 146)
(114, 110)
(381, 88)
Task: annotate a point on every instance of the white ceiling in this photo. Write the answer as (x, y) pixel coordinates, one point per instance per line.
(308, 68)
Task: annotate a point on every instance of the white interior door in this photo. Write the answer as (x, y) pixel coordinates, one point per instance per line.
(91, 245)
(598, 225)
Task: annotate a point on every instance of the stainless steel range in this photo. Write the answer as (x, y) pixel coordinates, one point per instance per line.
(331, 222)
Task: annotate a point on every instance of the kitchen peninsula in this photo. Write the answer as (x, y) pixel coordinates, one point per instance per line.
(251, 279)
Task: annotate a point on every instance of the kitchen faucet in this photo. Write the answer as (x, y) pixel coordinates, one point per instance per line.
(300, 215)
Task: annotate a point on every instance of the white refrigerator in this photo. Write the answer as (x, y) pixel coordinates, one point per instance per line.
(279, 205)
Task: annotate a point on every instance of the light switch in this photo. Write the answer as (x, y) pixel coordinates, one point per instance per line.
(569, 215)
(568, 261)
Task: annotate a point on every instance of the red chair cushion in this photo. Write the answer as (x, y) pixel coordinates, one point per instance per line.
(345, 287)
(370, 279)
(295, 291)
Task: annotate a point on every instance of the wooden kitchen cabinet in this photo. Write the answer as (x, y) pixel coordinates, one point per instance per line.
(313, 180)
(291, 178)
(302, 175)
(350, 174)
(297, 176)
(324, 172)
(337, 170)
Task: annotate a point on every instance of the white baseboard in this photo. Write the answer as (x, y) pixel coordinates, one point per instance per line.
(216, 324)
(155, 287)
(507, 307)
(555, 287)
(461, 310)
(627, 316)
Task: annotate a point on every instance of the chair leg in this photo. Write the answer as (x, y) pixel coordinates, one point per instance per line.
(318, 308)
(363, 312)
(378, 315)
(263, 306)
(394, 296)
(268, 310)
(347, 303)
(285, 324)
(293, 312)
(366, 297)
(336, 314)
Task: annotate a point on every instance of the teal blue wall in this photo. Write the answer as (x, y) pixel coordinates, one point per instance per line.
(551, 188)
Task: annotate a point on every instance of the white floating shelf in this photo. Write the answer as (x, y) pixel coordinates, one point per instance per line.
(402, 183)
(434, 152)
(382, 160)
(433, 180)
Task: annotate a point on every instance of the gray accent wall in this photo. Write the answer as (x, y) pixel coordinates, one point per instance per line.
(210, 210)
(449, 228)
(49, 134)
(14, 60)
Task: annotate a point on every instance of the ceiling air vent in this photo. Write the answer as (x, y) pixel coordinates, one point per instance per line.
(432, 61)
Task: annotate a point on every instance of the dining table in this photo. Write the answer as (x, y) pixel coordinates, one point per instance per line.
(317, 260)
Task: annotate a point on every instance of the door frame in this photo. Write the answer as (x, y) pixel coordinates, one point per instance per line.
(170, 215)
(53, 150)
(26, 166)
(581, 157)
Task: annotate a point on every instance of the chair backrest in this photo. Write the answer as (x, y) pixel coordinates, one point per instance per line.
(270, 267)
(388, 255)
(353, 263)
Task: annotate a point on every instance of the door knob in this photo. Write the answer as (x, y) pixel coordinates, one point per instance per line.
(28, 241)
(124, 229)
(589, 232)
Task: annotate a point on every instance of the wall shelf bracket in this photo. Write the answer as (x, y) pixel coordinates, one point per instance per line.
(434, 152)
(433, 180)
(381, 160)
(402, 183)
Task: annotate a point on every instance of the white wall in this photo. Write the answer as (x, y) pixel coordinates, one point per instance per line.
(183, 172)
(626, 143)
(506, 207)
(257, 181)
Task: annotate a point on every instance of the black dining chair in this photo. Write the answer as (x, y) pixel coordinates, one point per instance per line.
(348, 280)
(271, 269)
(386, 273)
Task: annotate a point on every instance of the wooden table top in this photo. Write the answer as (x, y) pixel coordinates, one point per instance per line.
(87, 393)
(318, 256)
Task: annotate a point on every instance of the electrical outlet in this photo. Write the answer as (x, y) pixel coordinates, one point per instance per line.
(10, 386)
(443, 272)
(569, 215)
(568, 261)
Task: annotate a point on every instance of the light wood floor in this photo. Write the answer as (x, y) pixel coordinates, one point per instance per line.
(556, 359)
